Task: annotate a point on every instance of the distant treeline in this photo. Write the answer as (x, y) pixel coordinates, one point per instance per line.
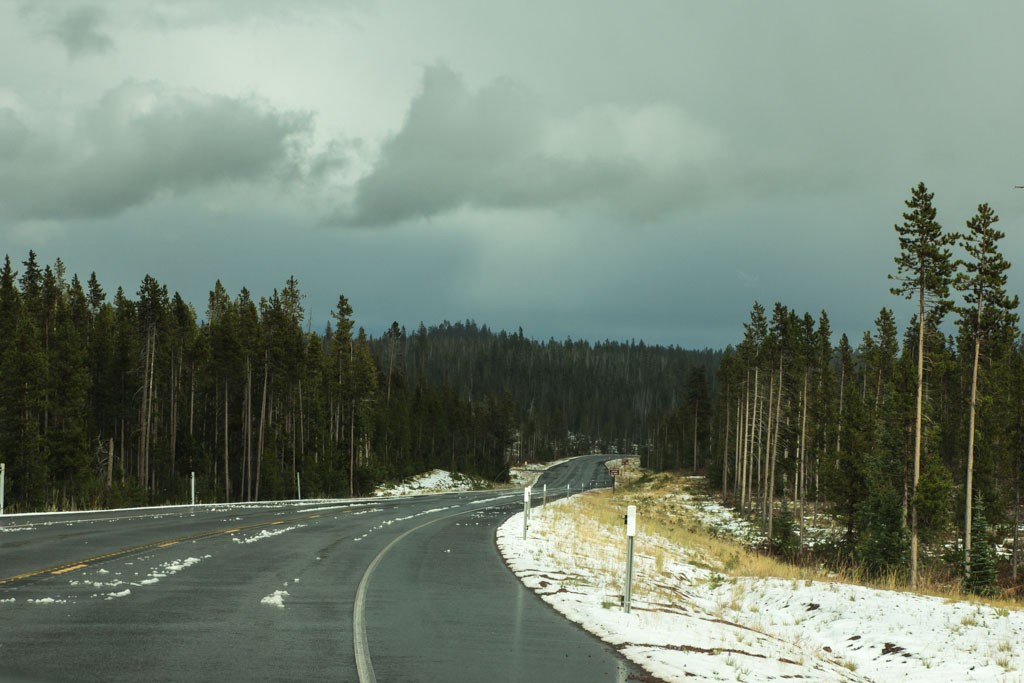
(567, 396)
(117, 400)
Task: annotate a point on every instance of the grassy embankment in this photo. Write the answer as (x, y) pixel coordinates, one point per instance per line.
(668, 523)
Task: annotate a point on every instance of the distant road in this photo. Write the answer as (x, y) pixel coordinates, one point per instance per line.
(269, 593)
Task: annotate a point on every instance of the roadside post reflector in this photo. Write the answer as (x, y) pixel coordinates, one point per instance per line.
(3, 471)
(193, 488)
(525, 512)
(630, 533)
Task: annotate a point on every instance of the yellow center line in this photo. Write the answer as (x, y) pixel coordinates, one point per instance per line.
(79, 564)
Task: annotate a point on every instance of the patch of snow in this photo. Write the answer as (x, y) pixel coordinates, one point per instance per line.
(435, 481)
(420, 514)
(159, 572)
(266, 533)
(688, 621)
(275, 599)
(517, 494)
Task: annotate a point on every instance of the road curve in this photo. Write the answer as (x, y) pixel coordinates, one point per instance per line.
(268, 592)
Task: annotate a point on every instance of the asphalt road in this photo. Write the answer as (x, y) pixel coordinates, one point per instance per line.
(395, 589)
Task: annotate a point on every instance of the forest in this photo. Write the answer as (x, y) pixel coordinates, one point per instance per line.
(108, 401)
(906, 445)
(899, 453)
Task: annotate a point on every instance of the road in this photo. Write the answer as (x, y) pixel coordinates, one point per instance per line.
(395, 589)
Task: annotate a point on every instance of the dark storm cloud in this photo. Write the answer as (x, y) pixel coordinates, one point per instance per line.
(13, 134)
(79, 31)
(78, 28)
(139, 141)
(498, 148)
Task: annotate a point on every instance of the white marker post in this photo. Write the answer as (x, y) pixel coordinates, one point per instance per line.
(630, 533)
(545, 499)
(526, 511)
(3, 472)
(298, 484)
(193, 486)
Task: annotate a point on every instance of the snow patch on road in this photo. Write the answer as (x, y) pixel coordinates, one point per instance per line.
(276, 599)
(153, 576)
(389, 522)
(266, 533)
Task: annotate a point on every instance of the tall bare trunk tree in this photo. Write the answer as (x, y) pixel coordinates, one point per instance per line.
(987, 312)
(924, 270)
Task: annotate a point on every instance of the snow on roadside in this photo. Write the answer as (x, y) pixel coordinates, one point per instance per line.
(688, 621)
(435, 481)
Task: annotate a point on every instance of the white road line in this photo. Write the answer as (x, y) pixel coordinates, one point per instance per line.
(364, 666)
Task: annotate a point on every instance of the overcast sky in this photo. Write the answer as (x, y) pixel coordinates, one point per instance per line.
(580, 168)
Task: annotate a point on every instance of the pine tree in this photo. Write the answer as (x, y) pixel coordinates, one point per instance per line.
(980, 577)
(924, 272)
(988, 310)
(882, 543)
(67, 439)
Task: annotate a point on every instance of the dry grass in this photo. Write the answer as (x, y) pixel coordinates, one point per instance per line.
(665, 524)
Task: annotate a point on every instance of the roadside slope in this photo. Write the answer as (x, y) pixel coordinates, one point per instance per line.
(691, 619)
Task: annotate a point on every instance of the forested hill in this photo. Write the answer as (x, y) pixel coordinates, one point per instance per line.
(114, 400)
(609, 394)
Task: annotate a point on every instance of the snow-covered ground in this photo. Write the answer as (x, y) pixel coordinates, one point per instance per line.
(689, 622)
(435, 481)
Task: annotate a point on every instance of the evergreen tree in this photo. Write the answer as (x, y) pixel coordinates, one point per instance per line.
(980, 577)
(924, 272)
(67, 438)
(882, 544)
(988, 310)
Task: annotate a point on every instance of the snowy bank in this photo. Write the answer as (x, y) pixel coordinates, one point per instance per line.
(435, 481)
(689, 621)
